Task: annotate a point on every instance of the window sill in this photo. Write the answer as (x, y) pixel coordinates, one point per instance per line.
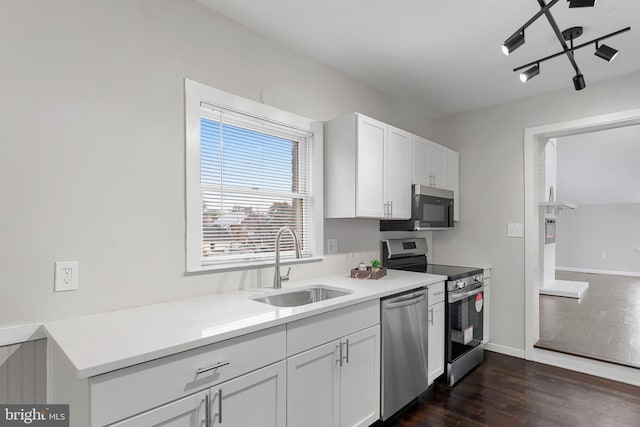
(251, 265)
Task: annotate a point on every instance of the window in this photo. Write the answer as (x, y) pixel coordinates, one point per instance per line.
(248, 174)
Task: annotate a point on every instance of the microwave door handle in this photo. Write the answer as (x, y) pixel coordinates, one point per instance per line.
(457, 297)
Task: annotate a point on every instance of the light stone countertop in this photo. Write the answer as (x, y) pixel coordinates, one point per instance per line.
(99, 343)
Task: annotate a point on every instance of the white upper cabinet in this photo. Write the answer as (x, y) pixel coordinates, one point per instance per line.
(429, 163)
(371, 141)
(398, 174)
(367, 169)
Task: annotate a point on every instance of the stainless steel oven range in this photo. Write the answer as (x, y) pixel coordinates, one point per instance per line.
(464, 303)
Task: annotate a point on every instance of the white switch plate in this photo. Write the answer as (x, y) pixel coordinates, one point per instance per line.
(66, 278)
(332, 246)
(515, 229)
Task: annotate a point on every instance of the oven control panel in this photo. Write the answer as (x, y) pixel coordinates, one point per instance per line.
(466, 282)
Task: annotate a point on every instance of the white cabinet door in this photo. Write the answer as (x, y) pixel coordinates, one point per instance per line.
(397, 157)
(421, 168)
(371, 141)
(313, 387)
(186, 412)
(453, 179)
(254, 399)
(360, 378)
(438, 163)
(429, 165)
(436, 341)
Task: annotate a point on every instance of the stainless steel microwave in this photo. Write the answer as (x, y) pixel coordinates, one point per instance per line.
(431, 208)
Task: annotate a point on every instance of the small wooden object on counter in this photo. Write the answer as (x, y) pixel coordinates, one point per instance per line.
(369, 273)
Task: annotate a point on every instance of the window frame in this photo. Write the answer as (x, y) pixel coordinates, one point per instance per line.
(197, 93)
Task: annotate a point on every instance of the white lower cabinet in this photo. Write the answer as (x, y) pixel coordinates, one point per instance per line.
(337, 383)
(436, 332)
(321, 371)
(360, 379)
(186, 412)
(254, 399)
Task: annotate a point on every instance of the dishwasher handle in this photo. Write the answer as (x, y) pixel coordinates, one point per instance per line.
(405, 301)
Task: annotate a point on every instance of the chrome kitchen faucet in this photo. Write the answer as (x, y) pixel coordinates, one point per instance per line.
(277, 278)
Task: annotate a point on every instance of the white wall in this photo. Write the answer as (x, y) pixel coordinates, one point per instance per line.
(490, 142)
(584, 234)
(92, 152)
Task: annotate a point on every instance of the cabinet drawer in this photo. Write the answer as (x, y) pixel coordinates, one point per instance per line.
(436, 293)
(316, 330)
(126, 392)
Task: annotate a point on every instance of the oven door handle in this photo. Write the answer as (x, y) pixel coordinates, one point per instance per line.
(457, 297)
(402, 302)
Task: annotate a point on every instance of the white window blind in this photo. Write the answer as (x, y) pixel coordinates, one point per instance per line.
(254, 179)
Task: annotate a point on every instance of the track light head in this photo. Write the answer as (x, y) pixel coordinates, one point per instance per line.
(582, 3)
(578, 82)
(606, 52)
(525, 76)
(513, 42)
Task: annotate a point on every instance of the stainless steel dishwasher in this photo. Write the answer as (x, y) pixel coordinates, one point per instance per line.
(405, 372)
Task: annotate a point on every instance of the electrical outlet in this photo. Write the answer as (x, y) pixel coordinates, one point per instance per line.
(66, 277)
(604, 254)
(515, 229)
(332, 246)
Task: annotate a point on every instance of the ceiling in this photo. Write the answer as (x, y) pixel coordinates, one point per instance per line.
(599, 167)
(443, 56)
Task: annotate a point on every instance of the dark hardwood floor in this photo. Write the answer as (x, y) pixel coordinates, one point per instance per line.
(507, 391)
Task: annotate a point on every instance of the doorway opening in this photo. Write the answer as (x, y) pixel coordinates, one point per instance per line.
(535, 140)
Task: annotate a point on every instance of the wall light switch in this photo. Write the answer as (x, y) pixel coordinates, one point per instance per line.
(66, 278)
(332, 246)
(515, 229)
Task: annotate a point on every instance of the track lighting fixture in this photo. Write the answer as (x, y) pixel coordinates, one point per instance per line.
(513, 42)
(582, 3)
(525, 76)
(606, 52)
(569, 35)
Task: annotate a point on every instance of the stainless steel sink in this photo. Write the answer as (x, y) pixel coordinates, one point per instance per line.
(303, 296)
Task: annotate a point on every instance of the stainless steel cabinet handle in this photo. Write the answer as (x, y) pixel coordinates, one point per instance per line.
(211, 368)
(220, 405)
(431, 316)
(391, 205)
(207, 410)
(340, 354)
(347, 344)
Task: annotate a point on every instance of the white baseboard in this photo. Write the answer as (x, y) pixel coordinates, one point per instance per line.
(509, 351)
(593, 271)
(623, 374)
(19, 334)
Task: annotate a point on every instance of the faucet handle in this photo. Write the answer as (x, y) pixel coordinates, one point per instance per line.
(286, 276)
